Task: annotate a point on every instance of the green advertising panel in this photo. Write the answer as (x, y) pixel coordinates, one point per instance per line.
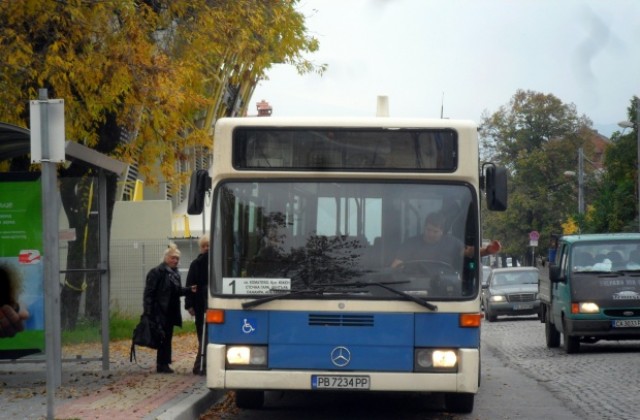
(21, 255)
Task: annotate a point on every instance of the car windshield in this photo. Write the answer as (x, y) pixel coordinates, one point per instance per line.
(606, 256)
(514, 278)
(276, 237)
(486, 271)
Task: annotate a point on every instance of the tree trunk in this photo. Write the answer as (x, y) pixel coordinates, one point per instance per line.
(80, 194)
(93, 298)
(74, 192)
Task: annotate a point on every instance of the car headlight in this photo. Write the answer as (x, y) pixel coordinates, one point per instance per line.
(497, 298)
(247, 356)
(435, 360)
(588, 308)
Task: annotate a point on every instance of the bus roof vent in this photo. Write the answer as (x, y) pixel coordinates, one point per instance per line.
(383, 106)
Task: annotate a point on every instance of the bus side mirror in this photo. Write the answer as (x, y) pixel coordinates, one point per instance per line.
(198, 187)
(495, 187)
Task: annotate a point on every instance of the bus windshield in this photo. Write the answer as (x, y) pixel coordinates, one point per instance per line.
(296, 235)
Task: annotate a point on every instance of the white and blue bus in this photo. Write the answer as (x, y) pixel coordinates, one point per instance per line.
(307, 217)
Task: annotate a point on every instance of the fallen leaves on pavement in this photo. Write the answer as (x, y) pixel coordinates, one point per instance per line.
(82, 372)
(224, 409)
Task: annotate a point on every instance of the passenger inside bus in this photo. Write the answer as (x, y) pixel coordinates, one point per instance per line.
(269, 261)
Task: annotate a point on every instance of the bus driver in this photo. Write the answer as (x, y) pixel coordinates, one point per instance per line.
(434, 244)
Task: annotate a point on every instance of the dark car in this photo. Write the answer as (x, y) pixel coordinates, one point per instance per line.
(511, 291)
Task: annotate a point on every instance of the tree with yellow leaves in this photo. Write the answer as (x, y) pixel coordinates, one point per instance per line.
(570, 227)
(143, 81)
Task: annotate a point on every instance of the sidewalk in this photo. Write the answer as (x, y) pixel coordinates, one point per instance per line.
(127, 391)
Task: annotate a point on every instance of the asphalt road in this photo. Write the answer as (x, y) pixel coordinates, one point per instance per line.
(602, 381)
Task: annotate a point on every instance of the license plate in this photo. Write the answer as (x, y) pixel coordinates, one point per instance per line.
(340, 382)
(522, 306)
(626, 323)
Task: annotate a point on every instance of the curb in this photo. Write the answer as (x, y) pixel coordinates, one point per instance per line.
(188, 408)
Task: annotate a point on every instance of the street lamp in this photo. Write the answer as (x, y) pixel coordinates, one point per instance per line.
(629, 124)
(580, 180)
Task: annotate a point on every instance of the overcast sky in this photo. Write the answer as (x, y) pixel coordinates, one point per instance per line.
(468, 55)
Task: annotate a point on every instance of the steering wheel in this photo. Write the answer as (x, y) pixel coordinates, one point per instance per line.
(439, 277)
(424, 267)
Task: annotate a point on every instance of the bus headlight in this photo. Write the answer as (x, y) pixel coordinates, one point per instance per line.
(435, 360)
(247, 356)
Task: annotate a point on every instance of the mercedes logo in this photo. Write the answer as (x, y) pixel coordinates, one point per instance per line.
(340, 356)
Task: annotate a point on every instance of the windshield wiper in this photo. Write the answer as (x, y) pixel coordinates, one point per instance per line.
(333, 289)
(383, 285)
(311, 291)
(260, 301)
(629, 270)
(615, 273)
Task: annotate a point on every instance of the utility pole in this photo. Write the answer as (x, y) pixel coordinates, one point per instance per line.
(580, 180)
(637, 127)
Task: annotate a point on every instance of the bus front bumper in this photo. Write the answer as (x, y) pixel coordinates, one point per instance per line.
(466, 379)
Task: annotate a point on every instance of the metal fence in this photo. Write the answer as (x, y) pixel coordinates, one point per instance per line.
(131, 260)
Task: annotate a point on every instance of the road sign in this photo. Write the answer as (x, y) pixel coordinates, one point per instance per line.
(534, 235)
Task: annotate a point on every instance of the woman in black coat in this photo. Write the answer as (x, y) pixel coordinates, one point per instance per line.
(162, 302)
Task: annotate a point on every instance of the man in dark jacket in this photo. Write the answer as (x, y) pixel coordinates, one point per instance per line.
(162, 302)
(196, 303)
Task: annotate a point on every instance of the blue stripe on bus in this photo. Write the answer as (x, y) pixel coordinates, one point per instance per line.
(443, 330)
(241, 327)
(357, 329)
(304, 328)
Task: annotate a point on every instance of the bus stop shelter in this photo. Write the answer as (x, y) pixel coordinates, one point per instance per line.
(15, 142)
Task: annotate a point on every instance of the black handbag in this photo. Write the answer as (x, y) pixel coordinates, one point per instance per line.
(146, 334)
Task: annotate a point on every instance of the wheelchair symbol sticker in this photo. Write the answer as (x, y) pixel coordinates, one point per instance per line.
(248, 325)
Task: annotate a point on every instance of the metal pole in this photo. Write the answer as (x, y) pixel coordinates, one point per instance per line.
(204, 220)
(580, 181)
(51, 259)
(637, 126)
(533, 256)
(105, 276)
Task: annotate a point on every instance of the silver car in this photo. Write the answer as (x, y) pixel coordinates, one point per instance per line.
(486, 272)
(511, 291)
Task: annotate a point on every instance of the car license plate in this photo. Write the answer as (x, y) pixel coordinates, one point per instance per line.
(522, 306)
(340, 382)
(626, 323)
